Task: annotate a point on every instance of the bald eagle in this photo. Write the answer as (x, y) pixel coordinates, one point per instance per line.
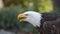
(37, 19)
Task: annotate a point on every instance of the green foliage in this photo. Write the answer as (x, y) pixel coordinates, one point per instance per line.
(43, 5)
(38, 5)
(57, 10)
(8, 17)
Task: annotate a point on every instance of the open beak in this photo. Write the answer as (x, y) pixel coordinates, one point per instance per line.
(21, 17)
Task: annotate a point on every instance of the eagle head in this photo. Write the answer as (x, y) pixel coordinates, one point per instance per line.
(31, 16)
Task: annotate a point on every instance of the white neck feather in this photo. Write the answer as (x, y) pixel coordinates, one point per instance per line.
(34, 18)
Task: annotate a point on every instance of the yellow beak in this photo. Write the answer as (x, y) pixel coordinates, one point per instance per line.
(21, 17)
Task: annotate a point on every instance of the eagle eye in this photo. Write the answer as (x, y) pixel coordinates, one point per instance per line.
(26, 14)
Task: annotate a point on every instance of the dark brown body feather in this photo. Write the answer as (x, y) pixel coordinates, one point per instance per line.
(50, 24)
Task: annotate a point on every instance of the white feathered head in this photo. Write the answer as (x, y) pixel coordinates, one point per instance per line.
(32, 17)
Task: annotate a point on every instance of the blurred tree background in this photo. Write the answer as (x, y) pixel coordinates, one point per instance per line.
(9, 9)
(37, 5)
